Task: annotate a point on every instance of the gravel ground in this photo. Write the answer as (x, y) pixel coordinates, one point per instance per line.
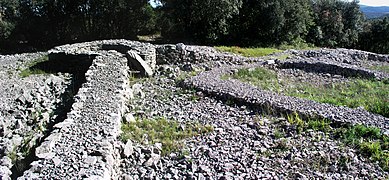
(243, 144)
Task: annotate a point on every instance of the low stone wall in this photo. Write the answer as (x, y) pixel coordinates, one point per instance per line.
(342, 55)
(333, 68)
(92, 49)
(85, 144)
(180, 53)
(211, 83)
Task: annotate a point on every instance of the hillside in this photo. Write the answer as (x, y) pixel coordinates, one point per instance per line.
(374, 12)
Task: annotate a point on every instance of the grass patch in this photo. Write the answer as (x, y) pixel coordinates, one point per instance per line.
(299, 45)
(161, 130)
(278, 134)
(369, 94)
(31, 69)
(370, 141)
(384, 69)
(248, 52)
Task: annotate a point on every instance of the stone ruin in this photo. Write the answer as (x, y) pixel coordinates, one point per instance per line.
(90, 131)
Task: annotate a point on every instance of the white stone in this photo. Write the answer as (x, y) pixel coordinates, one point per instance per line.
(139, 64)
(129, 118)
(128, 149)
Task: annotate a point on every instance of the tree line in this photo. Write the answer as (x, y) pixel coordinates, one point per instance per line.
(39, 24)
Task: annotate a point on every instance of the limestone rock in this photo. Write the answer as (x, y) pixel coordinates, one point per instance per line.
(128, 149)
(152, 160)
(136, 62)
(129, 118)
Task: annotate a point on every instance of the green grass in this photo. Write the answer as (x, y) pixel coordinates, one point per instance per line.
(384, 69)
(278, 134)
(161, 130)
(30, 70)
(294, 119)
(248, 52)
(369, 94)
(370, 141)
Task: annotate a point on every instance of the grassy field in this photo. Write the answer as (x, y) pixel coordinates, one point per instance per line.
(369, 94)
(248, 52)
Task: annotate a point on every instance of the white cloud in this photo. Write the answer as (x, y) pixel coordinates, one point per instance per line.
(375, 2)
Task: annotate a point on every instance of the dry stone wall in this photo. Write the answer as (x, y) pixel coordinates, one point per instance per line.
(85, 144)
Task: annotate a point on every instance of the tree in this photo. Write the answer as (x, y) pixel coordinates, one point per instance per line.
(375, 38)
(337, 23)
(199, 20)
(272, 22)
(45, 23)
(8, 17)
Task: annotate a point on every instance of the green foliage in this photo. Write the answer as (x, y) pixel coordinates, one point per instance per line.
(355, 133)
(369, 94)
(278, 134)
(198, 20)
(46, 23)
(375, 37)
(337, 23)
(369, 140)
(278, 23)
(260, 77)
(248, 52)
(161, 130)
(271, 23)
(294, 119)
(319, 125)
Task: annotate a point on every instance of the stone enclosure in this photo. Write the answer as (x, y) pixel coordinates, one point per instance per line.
(81, 109)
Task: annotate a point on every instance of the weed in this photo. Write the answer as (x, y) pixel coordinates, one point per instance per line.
(371, 148)
(294, 119)
(13, 155)
(370, 141)
(169, 133)
(354, 134)
(282, 57)
(278, 134)
(298, 44)
(194, 98)
(319, 125)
